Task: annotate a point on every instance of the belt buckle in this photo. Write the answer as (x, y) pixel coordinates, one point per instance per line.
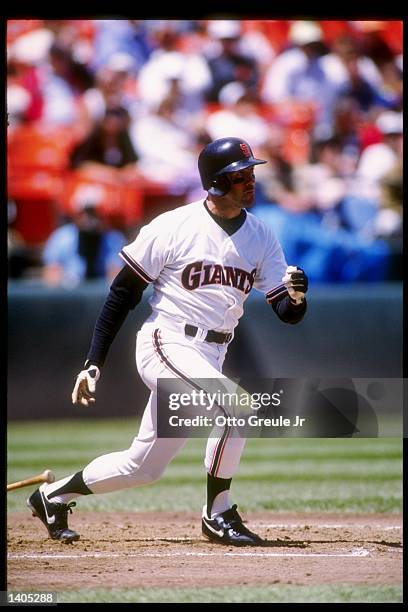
(201, 334)
(190, 330)
(195, 332)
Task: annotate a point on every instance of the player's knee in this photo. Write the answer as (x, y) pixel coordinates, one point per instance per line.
(144, 472)
(149, 474)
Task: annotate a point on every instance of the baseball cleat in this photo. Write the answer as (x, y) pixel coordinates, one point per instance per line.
(54, 516)
(227, 528)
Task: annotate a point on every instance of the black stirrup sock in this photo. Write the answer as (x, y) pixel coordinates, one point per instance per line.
(75, 485)
(214, 487)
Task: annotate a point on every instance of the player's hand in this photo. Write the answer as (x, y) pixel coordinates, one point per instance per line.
(296, 282)
(85, 385)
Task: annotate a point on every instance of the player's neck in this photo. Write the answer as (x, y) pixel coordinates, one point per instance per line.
(225, 210)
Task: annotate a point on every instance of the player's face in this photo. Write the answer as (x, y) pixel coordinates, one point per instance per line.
(243, 186)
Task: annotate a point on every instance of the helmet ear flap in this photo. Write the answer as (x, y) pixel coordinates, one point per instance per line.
(220, 185)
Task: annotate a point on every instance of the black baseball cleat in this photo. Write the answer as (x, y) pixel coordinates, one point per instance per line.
(227, 528)
(54, 516)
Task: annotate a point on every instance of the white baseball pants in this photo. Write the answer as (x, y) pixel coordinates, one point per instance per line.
(163, 350)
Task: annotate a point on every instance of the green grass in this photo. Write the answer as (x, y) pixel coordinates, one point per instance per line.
(243, 594)
(282, 475)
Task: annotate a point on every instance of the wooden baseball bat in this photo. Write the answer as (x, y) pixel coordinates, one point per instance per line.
(45, 476)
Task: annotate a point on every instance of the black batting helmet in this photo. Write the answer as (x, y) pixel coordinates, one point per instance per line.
(221, 157)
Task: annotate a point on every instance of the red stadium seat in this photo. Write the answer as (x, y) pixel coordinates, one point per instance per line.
(295, 114)
(38, 155)
(277, 32)
(40, 146)
(105, 187)
(18, 27)
(297, 119)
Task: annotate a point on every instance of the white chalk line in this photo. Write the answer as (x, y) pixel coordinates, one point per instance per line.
(357, 552)
(326, 526)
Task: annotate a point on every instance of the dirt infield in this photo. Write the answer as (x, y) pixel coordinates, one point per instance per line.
(168, 550)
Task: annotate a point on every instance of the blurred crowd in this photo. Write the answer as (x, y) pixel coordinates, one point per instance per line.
(105, 114)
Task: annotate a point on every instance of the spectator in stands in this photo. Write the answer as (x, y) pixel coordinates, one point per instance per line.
(357, 75)
(83, 249)
(347, 120)
(389, 222)
(121, 36)
(165, 146)
(320, 182)
(238, 116)
(275, 180)
(62, 85)
(169, 62)
(325, 227)
(298, 74)
(108, 144)
(20, 257)
(380, 174)
(330, 255)
(228, 63)
(19, 98)
(380, 158)
(381, 41)
(40, 65)
(164, 71)
(328, 184)
(115, 85)
(25, 57)
(255, 43)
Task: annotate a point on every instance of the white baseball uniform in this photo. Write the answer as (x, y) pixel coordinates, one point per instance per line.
(201, 276)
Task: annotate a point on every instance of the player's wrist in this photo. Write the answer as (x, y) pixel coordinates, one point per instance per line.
(296, 303)
(90, 362)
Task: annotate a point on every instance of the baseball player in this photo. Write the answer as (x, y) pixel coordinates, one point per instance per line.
(203, 260)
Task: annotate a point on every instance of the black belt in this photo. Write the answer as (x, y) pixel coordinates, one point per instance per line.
(212, 336)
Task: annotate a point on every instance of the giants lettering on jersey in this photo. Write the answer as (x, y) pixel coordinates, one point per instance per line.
(198, 275)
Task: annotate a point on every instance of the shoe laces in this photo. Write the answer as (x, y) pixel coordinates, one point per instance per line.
(66, 507)
(231, 516)
(233, 519)
(61, 514)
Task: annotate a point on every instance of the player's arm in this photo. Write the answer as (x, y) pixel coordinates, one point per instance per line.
(291, 306)
(288, 311)
(125, 293)
(284, 286)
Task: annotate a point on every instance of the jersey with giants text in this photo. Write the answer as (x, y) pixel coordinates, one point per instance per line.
(200, 274)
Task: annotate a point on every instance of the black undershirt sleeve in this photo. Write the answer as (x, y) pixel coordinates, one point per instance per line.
(125, 293)
(288, 311)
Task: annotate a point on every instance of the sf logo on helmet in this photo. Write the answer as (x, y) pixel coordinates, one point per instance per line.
(245, 149)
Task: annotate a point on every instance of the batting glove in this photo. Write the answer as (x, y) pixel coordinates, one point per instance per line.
(296, 282)
(85, 386)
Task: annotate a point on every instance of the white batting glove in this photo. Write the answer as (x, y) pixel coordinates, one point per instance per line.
(85, 386)
(296, 282)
